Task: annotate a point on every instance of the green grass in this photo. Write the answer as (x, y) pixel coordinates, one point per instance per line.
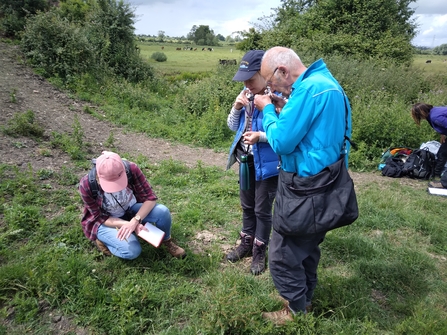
(385, 274)
(437, 66)
(180, 61)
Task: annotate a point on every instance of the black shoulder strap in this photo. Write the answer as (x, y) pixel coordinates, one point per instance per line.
(128, 172)
(93, 183)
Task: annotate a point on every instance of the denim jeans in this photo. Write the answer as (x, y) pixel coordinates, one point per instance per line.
(256, 204)
(159, 215)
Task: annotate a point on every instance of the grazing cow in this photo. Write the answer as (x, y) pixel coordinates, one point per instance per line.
(227, 61)
(178, 49)
(210, 49)
(195, 49)
(203, 49)
(162, 48)
(428, 61)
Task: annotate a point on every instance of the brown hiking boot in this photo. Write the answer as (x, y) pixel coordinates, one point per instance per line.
(258, 262)
(245, 249)
(174, 249)
(436, 184)
(279, 317)
(102, 248)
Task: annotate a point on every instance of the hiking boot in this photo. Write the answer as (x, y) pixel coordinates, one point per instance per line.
(279, 317)
(436, 184)
(245, 249)
(309, 308)
(102, 248)
(258, 262)
(174, 249)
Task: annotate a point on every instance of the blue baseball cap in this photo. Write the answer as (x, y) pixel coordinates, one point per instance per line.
(250, 64)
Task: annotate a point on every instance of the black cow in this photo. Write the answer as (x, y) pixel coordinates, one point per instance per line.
(227, 61)
(428, 61)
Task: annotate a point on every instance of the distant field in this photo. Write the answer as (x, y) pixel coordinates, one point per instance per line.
(180, 61)
(438, 63)
(187, 60)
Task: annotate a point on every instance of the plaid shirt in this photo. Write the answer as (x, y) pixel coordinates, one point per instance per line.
(93, 216)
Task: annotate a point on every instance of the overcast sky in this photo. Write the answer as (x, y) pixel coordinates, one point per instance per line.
(176, 17)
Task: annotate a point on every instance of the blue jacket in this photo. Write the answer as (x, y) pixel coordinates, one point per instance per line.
(438, 119)
(309, 132)
(265, 159)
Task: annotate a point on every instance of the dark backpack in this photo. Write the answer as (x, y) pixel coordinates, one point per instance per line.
(93, 183)
(394, 167)
(420, 164)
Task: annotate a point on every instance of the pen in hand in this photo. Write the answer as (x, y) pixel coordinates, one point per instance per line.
(125, 238)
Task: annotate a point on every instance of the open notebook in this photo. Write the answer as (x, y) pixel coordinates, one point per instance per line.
(154, 236)
(437, 191)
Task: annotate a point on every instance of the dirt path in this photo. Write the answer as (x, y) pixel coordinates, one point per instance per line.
(22, 90)
(56, 112)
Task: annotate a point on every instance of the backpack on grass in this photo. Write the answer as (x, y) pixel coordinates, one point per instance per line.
(393, 167)
(420, 164)
(93, 183)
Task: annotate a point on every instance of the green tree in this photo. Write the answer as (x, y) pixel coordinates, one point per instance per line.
(13, 14)
(64, 45)
(202, 35)
(380, 29)
(252, 40)
(440, 50)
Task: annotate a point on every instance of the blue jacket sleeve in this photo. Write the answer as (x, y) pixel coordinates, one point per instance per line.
(286, 130)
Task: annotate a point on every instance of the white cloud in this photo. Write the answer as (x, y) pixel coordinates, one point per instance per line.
(176, 17)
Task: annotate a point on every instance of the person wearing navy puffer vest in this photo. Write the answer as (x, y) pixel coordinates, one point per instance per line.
(251, 140)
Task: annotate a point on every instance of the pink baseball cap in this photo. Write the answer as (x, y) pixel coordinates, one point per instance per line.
(111, 172)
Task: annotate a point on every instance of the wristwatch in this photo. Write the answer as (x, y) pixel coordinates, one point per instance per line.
(138, 218)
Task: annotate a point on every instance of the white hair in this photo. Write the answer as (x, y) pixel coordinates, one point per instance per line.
(282, 56)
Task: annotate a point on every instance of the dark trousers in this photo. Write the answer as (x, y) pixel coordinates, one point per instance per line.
(293, 262)
(441, 159)
(256, 205)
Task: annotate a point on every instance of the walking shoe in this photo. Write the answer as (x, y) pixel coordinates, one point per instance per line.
(174, 249)
(244, 249)
(102, 248)
(309, 308)
(279, 317)
(436, 184)
(258, 262)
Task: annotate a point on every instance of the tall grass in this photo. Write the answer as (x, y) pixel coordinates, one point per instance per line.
(194, 111)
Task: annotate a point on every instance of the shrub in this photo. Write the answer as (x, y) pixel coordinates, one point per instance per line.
(58, 47)
(159, 56)
(14, 13)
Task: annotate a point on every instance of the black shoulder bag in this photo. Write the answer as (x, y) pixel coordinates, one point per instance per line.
(310, 205)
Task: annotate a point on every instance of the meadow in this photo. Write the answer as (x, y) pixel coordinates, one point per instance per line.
(179, 61)
(438, 64)
(384, 274)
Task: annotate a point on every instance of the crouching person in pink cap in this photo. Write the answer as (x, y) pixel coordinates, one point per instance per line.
(118, 205)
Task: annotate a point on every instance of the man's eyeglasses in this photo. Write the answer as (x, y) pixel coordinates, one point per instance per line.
(269, 82)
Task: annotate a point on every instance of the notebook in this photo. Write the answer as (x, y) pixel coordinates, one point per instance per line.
(437, 191)
(154, 236)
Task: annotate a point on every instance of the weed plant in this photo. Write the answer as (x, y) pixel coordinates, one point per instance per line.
(23, 124)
